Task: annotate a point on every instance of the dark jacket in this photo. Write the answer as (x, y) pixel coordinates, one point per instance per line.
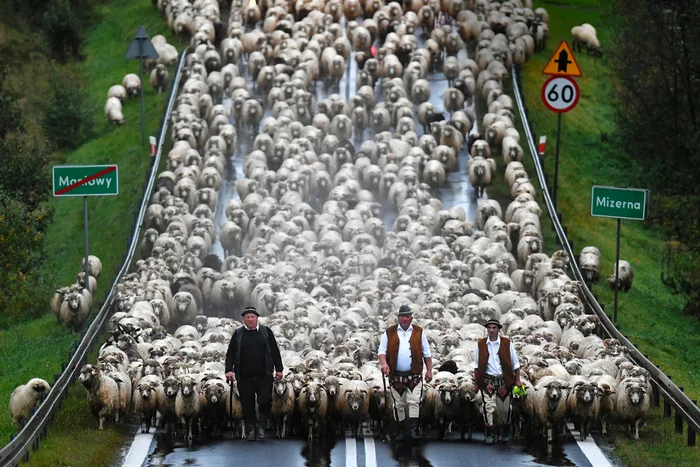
(273, 359)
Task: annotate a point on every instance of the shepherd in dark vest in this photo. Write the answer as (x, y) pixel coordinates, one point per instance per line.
(252, 357)
(402, 351)
(496, 371)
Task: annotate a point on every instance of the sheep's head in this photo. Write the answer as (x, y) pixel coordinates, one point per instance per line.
(356, 398)
(635, 393)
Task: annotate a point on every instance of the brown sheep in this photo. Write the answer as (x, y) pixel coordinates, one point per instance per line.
(313, 406)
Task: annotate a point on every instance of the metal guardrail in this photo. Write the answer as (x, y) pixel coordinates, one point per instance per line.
(685, 407)
(36, 427)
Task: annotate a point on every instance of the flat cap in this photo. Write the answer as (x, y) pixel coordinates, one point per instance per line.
(250, 309)
(494, 321)
(405, 310)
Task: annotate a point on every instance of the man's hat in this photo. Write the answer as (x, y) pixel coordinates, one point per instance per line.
(405, 310)
(250, 309)
(494, 321)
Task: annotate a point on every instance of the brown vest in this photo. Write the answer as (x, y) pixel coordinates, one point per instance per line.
(392, 349)
(504, 358)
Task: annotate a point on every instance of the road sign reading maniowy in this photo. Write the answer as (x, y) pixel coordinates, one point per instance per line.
(562, 62)
(560, 94)
(85, 180)
(621, 203)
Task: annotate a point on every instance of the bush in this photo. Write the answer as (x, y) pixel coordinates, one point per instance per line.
(62, 28)
(68, 120)
(24, 288)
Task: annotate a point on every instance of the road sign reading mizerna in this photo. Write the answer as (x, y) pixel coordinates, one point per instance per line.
(621, 203)
(85, 180)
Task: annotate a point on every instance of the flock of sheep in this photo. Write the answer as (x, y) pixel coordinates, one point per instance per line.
(305, 242)
(71, 305)
(131, 83)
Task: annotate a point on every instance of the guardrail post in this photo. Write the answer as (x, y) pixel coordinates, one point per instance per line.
(654, 394)
(679, 417)
(691, 431)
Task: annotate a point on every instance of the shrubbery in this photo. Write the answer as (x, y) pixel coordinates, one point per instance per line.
(68, 118)
(62, 27)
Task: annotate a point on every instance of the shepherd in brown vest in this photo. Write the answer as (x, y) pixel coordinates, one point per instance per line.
(496, 371)
(402, 351)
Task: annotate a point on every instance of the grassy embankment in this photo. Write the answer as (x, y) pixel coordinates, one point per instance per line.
(37, 348)
(649, 315)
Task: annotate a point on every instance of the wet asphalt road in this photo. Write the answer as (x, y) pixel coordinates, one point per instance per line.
(367, 452)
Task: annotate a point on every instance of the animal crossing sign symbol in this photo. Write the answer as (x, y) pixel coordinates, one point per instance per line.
(562, 62)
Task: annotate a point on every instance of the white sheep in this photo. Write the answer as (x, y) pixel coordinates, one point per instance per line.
(117, 91)
(548, 405)
(75, 309)
(146, 400)
(132, 84)
(585, 36)
(589, 262)
(282, 406)
(633, 404)
(583, 403)
(24, 398)
(626, 276)
(187, 405)
(113, 111)
(511, 150)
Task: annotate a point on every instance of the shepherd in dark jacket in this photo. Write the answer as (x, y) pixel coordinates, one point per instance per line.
(252, 357)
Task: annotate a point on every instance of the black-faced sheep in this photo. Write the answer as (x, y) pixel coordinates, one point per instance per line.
(24, 398)
(103, 394)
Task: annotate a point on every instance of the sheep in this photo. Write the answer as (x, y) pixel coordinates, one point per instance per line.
(185, 309)
(481, 172)
(213, 400)
(313, 405)
(585, 36)
(282, 406)
(625, 278)
(447, 403)
(25, 398)
(589, 262)
(166, 402)
(511, 150)
(187, 405)
(583, 404)
(633, 404)
(75, 309)
(353, 405)
(607, 385)
(159, 78)
(117, 91)
(146, 400)
(132, 84)
(103, 393)
(549, 404)
(113, 111)
(57, 301)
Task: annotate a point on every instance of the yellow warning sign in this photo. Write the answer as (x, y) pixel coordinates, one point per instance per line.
(562, 62)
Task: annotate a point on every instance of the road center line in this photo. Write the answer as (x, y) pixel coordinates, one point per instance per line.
(350, 452)
(370, 453)
(591, 450)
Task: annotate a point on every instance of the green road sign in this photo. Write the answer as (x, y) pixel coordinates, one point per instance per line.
(621, 203)
(85, 180)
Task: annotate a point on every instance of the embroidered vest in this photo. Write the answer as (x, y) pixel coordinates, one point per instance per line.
(392, 349)
(504, 358)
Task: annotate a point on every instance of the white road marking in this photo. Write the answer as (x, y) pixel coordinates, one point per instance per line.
(370, 453)
(350, 452)
(591, 450)
(139, 449)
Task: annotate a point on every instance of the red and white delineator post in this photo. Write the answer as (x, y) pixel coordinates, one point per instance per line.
(153, 146)
(541, 147)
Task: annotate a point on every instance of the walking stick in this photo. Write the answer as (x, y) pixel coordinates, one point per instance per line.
(230, 408)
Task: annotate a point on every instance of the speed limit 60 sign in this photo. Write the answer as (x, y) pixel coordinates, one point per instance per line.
(560, 94)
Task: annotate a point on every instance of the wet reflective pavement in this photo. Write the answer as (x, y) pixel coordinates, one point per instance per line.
(367, 452)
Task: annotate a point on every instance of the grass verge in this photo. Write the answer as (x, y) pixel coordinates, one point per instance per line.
(649, 315)
(37, 348)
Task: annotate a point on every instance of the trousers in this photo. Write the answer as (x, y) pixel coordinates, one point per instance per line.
(250, 387)
(406, 395)
(496, 399)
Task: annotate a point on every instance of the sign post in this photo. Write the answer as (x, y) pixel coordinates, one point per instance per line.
(141, 47)
(560, 94)
(619, 203)
(85, 180)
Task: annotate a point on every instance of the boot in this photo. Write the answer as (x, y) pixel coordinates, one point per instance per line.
(262, 424)
(415, 431)
(488, 435)
(250, 430)
(399, 433)
(505, 433)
